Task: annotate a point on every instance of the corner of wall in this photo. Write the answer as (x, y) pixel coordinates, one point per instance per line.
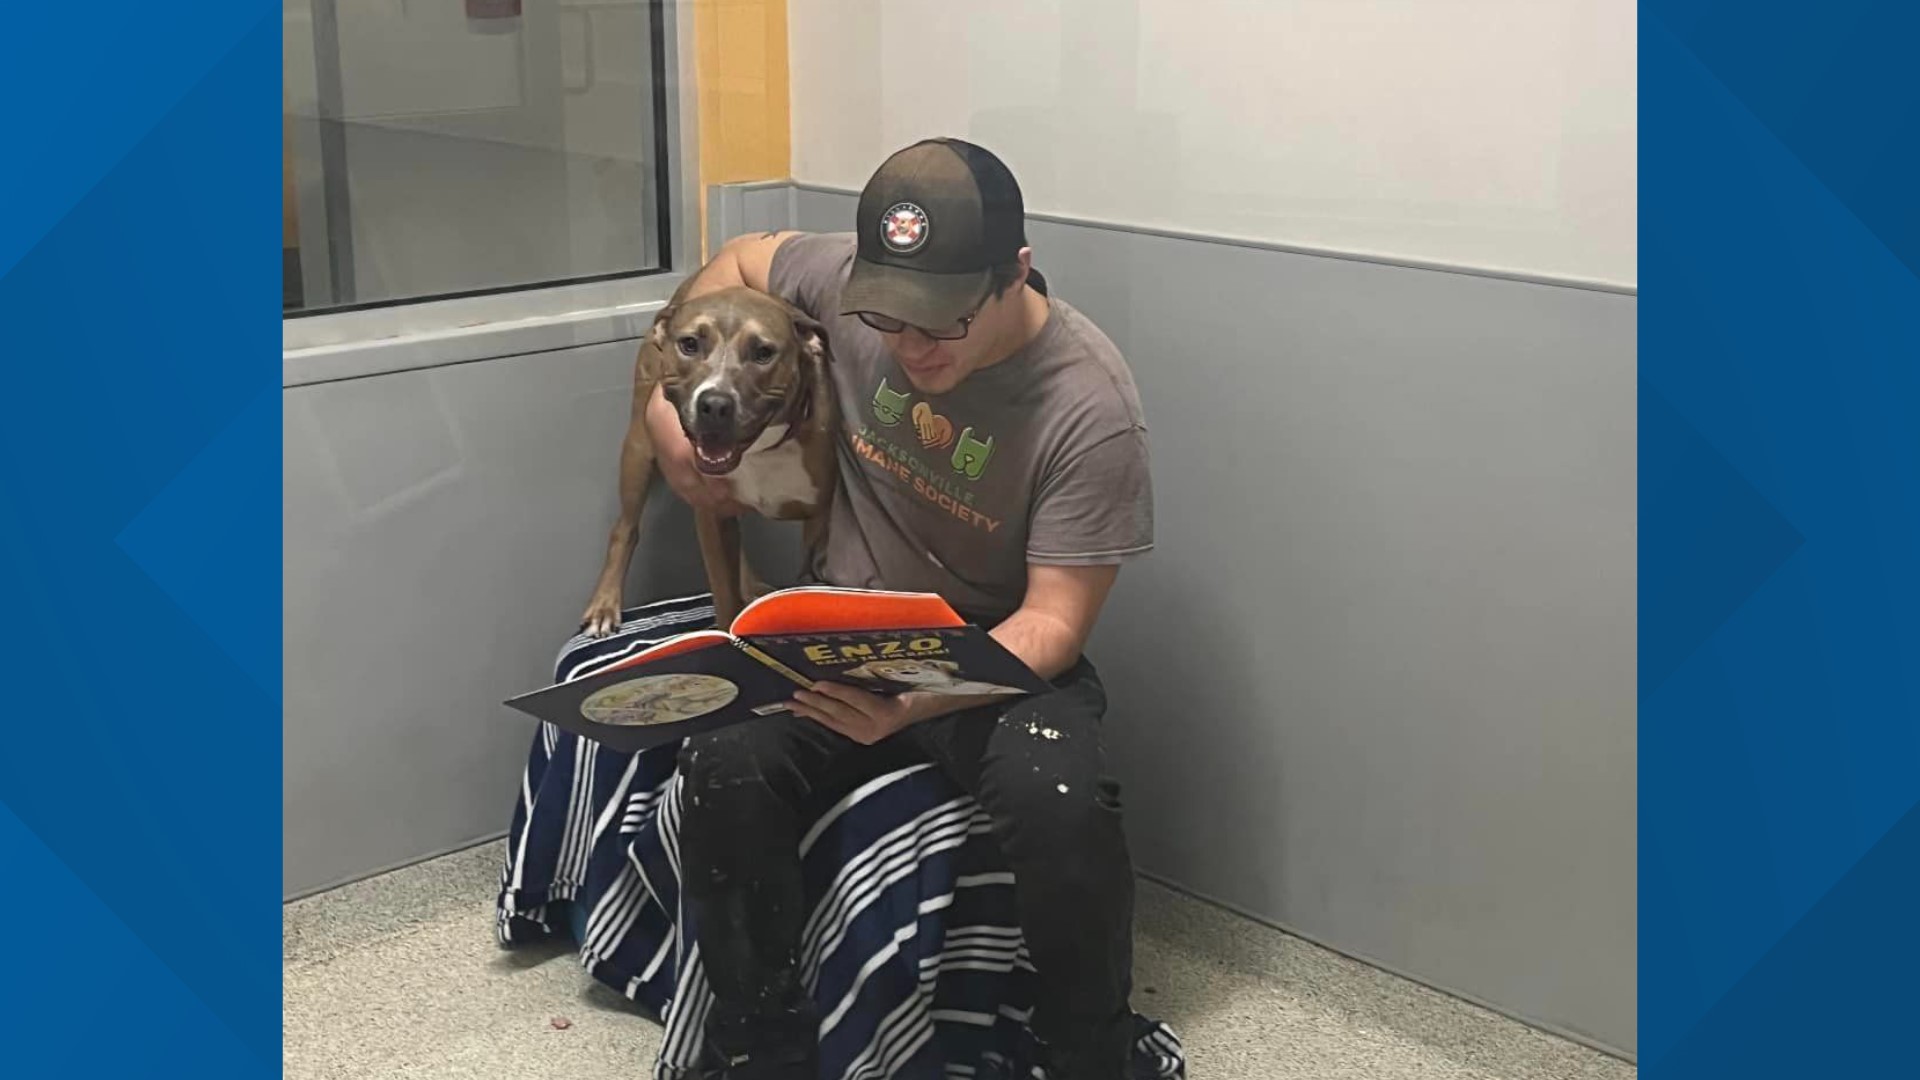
(741, 75)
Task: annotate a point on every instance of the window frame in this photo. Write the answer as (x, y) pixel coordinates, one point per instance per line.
(318, 346)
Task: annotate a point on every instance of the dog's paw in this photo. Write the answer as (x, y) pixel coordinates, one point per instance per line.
(602, 618)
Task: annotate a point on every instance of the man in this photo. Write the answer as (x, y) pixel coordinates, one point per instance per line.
(994, 452)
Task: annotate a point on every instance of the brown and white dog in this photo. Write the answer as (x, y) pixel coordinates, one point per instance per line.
(747, 374)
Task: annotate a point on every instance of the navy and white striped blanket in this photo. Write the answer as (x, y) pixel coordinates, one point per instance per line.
(913, 951)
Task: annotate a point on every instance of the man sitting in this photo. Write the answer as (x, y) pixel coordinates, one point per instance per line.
(995, 453)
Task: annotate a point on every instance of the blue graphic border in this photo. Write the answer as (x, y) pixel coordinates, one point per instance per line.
(140, 539)
(1779, 539)
(1780, 450)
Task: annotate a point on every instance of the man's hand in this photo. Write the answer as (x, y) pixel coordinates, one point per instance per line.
(674, 456)
(1047, 634)
(867, 717)
(859, 715)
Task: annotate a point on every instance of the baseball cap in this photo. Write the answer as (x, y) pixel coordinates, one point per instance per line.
(933, 219)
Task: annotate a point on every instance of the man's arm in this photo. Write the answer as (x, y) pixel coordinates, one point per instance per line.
(1062, 604)
(1048, 632)
(744, 260)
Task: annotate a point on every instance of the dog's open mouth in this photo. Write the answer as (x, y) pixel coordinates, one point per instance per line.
(716, 455)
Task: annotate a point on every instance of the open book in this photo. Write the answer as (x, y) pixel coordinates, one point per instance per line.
(885, 642)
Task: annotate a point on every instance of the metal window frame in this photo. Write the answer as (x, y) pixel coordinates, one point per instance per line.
(611, 299)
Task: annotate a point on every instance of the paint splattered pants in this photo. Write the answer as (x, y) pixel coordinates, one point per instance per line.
(756, 792)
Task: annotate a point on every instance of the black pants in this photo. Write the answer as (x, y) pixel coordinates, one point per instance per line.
(1037, 769)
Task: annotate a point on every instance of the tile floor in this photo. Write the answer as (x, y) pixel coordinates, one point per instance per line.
(398, 976)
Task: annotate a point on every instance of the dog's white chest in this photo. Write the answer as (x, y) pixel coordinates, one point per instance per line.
(772, 478)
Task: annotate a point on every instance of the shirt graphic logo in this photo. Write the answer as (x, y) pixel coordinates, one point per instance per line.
(970, 456)
(904, 227)
(935, 431)
(889, 405)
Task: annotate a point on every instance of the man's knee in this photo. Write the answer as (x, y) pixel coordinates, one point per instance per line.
(1077, 802)
(1043, 812)
(717, 754)
(750, 761)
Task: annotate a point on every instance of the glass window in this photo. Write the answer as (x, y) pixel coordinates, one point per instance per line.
(439, 148)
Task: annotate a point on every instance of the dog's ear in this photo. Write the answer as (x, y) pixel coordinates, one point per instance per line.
(811, 371)
(815, 355)
(657, 333)
(813, 338)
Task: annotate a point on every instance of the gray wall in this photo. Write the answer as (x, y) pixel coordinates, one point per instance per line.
(443, 529)
(1377, 683)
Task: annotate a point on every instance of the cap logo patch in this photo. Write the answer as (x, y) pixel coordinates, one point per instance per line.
(904, 227)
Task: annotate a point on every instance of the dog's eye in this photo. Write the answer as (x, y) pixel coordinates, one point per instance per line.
(765, 354)
(689, 346)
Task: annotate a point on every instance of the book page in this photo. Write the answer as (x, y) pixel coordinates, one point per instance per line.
(822, 609)
(674, 646)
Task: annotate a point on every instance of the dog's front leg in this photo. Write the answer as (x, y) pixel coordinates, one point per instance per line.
(636, 474)
(726, 565)
(751, 587)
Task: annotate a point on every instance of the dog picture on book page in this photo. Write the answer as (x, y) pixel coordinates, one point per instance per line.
(658, 699)
(930, 676)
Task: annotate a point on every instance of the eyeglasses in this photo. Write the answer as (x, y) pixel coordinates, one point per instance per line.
(887, 324)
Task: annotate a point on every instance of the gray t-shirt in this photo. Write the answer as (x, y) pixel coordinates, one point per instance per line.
(1041, 458)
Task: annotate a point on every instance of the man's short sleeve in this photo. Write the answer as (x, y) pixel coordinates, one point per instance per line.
(1098, 508)
(809, 271)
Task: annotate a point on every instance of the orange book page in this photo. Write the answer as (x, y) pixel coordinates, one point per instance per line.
(685, 643)
(821, 610)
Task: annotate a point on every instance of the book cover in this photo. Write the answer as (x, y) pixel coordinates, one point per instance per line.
(884, 642)
(662, 695)
(961, 660)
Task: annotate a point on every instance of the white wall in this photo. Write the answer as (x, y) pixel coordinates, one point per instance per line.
(1495, 134)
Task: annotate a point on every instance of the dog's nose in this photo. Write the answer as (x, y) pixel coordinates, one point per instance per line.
(714, 407)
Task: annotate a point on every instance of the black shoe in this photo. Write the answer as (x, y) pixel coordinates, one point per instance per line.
(1103, 1052)
(791, 1064)
(780, 1046)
